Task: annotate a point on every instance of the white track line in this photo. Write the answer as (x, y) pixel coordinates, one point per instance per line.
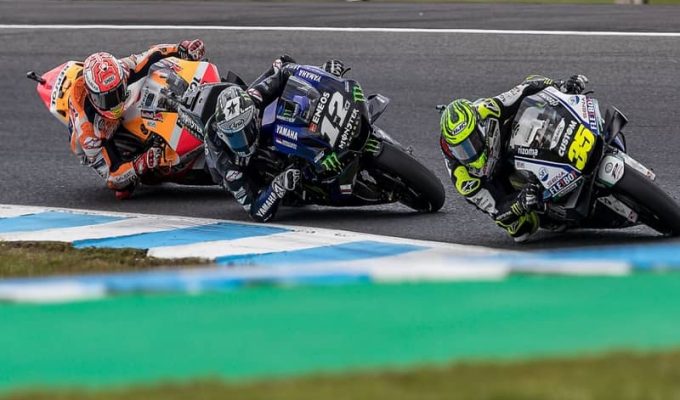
(340, 29)
(16, 211)
(132, 226)
(285, 241)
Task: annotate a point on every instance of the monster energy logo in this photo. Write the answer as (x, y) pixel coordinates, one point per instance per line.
(358, 94)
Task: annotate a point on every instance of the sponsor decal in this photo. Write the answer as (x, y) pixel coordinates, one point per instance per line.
(188, 122)
(574, 100)
(109, 80)
(147, 101)
(310, 76)
(525, 151)
(543, 174)
(286, 143)
(555, 178)
(511, 95)
(567, 137)
(609, 167)
(286, 132)
(269, 202)
(592, 118)
(346, 189)
(615, 170)
(57, 92)
(458, 129)
(555, 139)
(567, 183)
(358, 94)
(469, 186)
(350, 128)
(318, 112)
(548, 98)
(151, 115)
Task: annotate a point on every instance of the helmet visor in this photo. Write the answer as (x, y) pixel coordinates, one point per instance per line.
(109, 100)
(469, 149)
(241, 141)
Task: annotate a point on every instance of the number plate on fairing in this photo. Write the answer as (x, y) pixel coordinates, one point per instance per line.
(315, 111)
(554, 136)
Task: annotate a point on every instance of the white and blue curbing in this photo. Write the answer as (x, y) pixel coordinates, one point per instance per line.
(245, 254)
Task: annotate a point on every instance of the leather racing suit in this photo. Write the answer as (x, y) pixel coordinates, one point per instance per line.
(489, 188)
(90, 132)
(232, 171)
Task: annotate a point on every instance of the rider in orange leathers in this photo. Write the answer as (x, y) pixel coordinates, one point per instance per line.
(97, 104)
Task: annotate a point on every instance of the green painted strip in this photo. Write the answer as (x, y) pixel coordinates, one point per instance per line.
(272, 331)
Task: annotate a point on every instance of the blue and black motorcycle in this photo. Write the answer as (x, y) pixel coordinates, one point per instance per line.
(319, 114)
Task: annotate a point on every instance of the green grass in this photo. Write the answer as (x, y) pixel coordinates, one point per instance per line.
(618, 376)
(30, 259)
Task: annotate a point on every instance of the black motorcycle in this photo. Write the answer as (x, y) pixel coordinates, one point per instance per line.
(319, 111)
(581, 161)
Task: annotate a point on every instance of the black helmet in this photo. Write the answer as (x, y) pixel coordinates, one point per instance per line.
(235, 117)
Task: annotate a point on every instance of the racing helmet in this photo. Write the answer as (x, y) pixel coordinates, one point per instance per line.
(106, 84)
(460, 129)
(236, 121)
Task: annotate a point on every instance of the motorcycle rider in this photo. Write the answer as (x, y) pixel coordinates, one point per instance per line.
(233, 135)
(97, 105)
(473, 135)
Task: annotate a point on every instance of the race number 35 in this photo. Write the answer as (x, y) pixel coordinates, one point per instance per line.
(580, 147)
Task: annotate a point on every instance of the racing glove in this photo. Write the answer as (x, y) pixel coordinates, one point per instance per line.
(192, 50)
(576, 84)
(286, 181)
(148, 160)
(521, 220)
(529, 199)
(335, 67)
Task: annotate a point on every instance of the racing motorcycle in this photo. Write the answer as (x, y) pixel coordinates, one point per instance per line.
(581, 162)
(318, 111)
(151, 118)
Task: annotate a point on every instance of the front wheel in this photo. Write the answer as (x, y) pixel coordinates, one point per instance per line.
(418, 187)
(655, 207)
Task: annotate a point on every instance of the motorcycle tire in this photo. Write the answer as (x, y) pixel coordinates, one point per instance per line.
(655, 207)
(421, 181)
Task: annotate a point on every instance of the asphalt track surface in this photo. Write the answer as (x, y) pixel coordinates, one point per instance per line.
(416, 70)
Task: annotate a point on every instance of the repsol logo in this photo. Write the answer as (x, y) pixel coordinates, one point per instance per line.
(567, 138)
(56, 90)
(320, 107)
(188, 122)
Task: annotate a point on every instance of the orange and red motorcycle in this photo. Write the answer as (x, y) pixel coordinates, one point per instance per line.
(153, 115)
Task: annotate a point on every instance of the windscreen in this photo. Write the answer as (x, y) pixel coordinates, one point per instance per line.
(297, 103)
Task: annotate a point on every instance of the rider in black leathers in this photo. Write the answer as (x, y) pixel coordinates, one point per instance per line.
(233, 135)
(473, 135)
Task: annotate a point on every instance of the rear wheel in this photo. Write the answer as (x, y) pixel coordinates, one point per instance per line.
(655, 207)
(420, 188)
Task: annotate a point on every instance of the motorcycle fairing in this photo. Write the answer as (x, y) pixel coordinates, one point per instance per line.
(555, 141)
(316, 111)
(56, 91)
(149, 112)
